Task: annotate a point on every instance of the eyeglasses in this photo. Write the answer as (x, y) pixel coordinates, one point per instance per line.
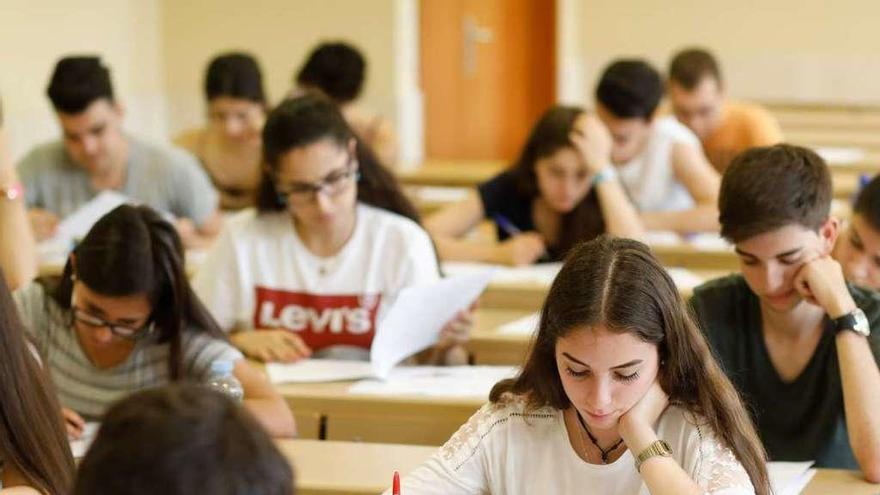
(122, 331)
(332, 185)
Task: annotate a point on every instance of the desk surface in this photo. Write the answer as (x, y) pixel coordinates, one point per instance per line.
(336, 468)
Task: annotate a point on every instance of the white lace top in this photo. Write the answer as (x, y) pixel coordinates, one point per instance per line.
(502, 450)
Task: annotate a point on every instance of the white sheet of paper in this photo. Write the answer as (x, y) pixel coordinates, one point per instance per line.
(412, 324)
(81, 445)
(440, 194)
(436, 381)
(839, 155)
(703, 241)
(526, 325)
(418, 314)
(318, 370)
(542, 273)
(78, 224)
(684, 278)
(790, 478)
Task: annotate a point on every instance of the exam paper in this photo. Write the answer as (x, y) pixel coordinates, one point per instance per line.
(436, 381)
(542, 273)
(73, 228)
(841, 155)
(81, 445)
(684, 278)
(411, 324)
(790, 478)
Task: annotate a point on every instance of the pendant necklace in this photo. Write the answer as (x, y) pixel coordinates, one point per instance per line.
(604, 453)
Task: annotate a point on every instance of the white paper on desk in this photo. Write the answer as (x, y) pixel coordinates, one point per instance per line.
(834, 155)
(790, 478)
(412, 324)
(415, 319)
(73, 228)
(526, 325)
(437, 381)
(702, 241)
(81, 445)
(542, 273)
(440, 194)
(684, 278)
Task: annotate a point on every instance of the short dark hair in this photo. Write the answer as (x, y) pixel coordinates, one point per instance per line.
(337, 69)
(630, 89)
(767, 188)
(182, 439)
(690, 66)
(236, 75)
(77, 82)
(868, 203)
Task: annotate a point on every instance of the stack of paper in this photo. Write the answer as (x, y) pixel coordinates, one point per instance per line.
(437, 381)
(412, 324)
(790, 478)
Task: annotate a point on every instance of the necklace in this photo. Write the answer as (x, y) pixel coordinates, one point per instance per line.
(604, 453)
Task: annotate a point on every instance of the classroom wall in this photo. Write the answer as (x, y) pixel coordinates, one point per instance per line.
(280, 33)
(804, 50)
(35, 33)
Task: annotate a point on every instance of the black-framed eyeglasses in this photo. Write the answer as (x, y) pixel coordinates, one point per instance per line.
(332, 185)
(127, 332)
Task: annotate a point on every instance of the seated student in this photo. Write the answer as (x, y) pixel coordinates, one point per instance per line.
(620, 393)
(34, 454)
(181, 440)
(561, 190)
(124, 318)
(858, 247)
(229, 146)
(725, 127)
(332, 238)
(338, 70)
(790, 333)
(96, 155)
(659, 161)
(18, 254)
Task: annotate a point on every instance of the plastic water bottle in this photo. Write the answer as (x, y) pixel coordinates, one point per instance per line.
(222, 380)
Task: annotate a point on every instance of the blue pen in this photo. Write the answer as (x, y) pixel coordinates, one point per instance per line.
(512, 230)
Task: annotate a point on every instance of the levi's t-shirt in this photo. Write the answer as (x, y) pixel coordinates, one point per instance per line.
(260, 275)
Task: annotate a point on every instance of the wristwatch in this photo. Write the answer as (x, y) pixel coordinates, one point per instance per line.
(658, 448)
(12, 192)
(606, 174)
(856, 321)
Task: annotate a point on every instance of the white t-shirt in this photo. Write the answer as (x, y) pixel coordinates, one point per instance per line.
(260, 275)
(506, 450)
(649, 178)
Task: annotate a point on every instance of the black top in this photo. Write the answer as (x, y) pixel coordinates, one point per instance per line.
(501, 196)
(799, 420)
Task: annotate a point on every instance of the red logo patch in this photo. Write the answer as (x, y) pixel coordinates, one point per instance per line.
(321, 320)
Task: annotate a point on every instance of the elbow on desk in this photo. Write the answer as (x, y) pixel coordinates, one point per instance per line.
(870, 465)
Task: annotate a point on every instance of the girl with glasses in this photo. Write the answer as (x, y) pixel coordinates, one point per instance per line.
(333, 239)
(123, 318)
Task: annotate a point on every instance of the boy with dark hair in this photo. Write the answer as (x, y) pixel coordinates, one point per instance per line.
(792, 335)
(182, 439)
(858, 248)
(337, 70)
(725, 128)
(96, 155)
(659, 161)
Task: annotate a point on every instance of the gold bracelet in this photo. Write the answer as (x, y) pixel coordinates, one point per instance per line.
(657, 448)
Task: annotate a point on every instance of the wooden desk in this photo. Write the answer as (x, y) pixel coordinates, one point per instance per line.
(844, 185)
(347, 468)
(435, 172)
(420, 420)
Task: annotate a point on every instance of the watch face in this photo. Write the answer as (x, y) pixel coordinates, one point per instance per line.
(862, 326)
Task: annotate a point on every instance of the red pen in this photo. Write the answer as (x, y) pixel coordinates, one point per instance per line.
(395, 485)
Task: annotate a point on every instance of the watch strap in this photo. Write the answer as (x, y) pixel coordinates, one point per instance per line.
(657, 448)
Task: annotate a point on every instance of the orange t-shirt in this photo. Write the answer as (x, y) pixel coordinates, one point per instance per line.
(743, 126)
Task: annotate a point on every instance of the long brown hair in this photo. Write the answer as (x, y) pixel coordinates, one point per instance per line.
(32, 436)
(551, 133)
(618, 283)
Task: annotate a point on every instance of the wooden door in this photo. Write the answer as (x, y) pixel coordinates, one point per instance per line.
(487, 71)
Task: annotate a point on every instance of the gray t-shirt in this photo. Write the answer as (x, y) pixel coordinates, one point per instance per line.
(90, 390)
(164, 178)
(799, 420)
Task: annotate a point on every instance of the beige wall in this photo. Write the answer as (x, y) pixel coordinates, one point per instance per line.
(35, 33)
(280, 33)
(781, 49)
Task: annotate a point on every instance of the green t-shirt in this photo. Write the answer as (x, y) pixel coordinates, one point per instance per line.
(799, 420)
